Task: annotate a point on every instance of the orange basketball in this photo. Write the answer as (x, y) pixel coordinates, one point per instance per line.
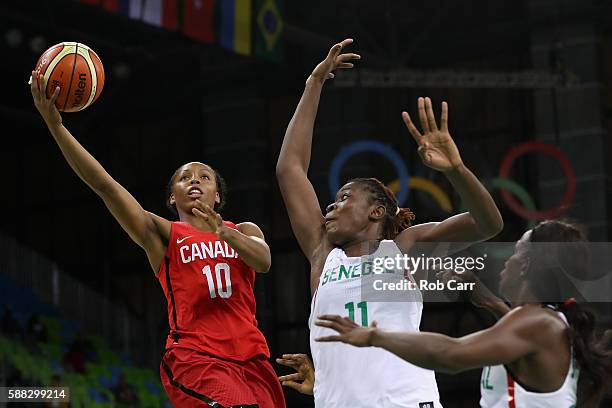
(77, 70)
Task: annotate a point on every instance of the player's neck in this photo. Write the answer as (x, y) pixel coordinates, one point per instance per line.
(360, 247)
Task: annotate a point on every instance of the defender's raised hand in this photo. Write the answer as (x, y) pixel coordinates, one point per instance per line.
(349, 332)
(436, 146)
(335, 60)
(46, 106)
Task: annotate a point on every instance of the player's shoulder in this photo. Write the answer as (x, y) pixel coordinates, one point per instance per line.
(249, 228)
(534, 321)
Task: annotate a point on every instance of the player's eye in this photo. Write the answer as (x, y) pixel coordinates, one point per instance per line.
(183, 178)
(344, 196)
(204, 176)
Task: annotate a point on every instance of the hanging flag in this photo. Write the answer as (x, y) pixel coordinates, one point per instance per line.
(160, 13)
(235, 25)
(198, 20)
(268, 42)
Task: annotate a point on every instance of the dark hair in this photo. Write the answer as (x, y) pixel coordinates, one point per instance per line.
(394, 221)
(221, 189)
(550, 283)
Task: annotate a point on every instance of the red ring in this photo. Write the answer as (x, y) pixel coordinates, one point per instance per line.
(566, 166)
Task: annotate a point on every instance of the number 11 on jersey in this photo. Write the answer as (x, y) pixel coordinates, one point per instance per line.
(223, 293)
(363, 308)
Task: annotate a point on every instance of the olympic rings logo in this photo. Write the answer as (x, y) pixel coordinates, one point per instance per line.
(514, 195)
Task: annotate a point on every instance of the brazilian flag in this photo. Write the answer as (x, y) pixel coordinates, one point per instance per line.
(268, 30)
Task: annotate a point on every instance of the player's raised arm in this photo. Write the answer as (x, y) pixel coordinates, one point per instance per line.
(438, 151)
(294, 159)
(144, 228)
(514, 336)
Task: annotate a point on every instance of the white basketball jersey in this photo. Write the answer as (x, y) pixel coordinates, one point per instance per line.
(496, 390)
(347, 376)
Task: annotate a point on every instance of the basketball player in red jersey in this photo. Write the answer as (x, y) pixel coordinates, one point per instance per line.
(215, 354)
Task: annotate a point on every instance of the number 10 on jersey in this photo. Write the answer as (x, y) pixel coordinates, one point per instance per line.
(219, 268)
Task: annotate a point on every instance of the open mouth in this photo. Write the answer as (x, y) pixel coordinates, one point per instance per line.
(194, 192)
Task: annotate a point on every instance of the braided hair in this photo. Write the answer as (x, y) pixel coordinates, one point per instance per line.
(551, 285)
(396, 219)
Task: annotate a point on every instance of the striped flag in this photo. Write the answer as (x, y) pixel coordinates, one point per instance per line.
(235, 26)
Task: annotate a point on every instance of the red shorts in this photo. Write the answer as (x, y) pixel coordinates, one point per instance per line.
(193, 379)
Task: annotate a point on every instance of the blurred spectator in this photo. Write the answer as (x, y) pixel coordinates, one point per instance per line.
(125, 395)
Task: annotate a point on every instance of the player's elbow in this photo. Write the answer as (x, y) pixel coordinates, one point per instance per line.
(286, 172)
(263, 266)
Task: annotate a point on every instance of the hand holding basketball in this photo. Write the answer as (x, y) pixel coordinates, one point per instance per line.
(333, 61)
(76, 69)
(436, 146)
(46, 106)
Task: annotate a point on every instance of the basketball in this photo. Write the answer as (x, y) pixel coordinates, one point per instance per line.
(77, 70)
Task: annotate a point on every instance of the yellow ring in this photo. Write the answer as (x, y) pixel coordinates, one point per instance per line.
(419, 183)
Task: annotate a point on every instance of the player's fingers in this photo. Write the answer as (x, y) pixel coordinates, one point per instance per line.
(199, 213)
(345, 42)
(56, 93)
(32, 83)
(333, 318)
(288, 363)
(43, 89)
(431, 118)
(423, 115)
(444, 118)
(418, 137)
(291, 377)
(334, 51)
(291, 356)
(292, 384)
(329, 325)
(301, 358)
(331, 75)
(345, 65)
(328, 338)
(348, 57)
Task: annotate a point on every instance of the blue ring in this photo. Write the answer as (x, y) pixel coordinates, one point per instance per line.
(373, 146)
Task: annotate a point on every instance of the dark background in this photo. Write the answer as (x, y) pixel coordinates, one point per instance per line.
(168, 100)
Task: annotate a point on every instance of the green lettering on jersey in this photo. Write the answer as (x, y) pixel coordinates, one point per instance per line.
(366, 268)
(344, 272)
(485, 378)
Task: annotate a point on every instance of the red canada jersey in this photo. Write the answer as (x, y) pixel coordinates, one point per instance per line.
(209, 289)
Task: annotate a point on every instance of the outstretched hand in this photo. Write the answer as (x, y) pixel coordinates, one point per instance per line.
(301, 381)
(335, 60)
(436, 146)
(46, 106)
(211, 220)
(349, 332)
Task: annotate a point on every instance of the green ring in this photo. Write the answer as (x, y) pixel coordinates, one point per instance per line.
(521, 194)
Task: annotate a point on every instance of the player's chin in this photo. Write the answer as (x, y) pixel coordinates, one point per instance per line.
(334, 235)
